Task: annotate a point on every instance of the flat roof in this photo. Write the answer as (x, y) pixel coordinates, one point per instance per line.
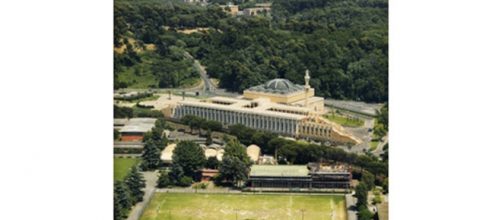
(138, 125)
(279, 170)
(238, 106)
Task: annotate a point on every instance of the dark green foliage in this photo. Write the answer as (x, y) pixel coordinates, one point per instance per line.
(147, 113)
(135, 182)
(295, 152)
(383, 116)
(385, 185)
(126, 112)
(122, 112)
(122, 201)
(212, 125)
(176, 174)
(209, 139)
(236, 163)
(116, 134)
(195, 122)
(117, 209)
(251, 136)
(212, 163)
(189, 156)
(368, 179)
(382, 122)
(157, 136)
(262, 139)
(364, 214)
(151, 156)
(146, 22)
(164, 180)
(343, 43)
(361, 195)
(185, 181)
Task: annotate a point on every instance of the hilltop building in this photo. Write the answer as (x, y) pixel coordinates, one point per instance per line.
(230, 8)
(277, 106)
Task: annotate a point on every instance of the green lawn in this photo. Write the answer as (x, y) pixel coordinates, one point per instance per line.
(373, 145)
(121, 167)
(344, 121)
(179, 206)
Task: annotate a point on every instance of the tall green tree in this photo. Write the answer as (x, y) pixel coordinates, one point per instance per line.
(151, 156)
(212, 163)
(118, 214)
(122, 200)
(189, 156)
(135, 182)
(368, 179)
(364, 214)
(236, 163)
(361, 195)
(164, 179)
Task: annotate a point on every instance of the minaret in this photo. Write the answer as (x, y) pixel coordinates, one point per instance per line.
(307, 87)
(307, 79)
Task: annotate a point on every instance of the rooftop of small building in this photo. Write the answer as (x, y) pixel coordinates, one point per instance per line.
(280, 170)
(138, 125)
(329, 168)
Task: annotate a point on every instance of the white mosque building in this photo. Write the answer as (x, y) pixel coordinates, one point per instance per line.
(277, 106)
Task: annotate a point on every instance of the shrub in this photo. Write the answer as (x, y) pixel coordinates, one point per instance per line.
(185, 181)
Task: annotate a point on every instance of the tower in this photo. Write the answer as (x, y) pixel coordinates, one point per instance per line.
(307, 87)
(307, 79)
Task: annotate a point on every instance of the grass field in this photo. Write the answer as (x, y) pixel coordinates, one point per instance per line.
(121, 167)
(345, 121)
(373, 145)
(180, 206)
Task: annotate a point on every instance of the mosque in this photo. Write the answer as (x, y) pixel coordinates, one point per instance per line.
(278, 106)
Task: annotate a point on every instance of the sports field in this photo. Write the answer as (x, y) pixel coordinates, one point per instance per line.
(121, 167)
(180, 206)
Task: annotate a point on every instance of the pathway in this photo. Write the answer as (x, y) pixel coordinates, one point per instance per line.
(150, 182)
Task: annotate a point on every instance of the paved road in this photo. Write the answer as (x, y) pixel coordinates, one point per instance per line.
(150, 182)
(209, 87)
(379, 149)
(350, 203)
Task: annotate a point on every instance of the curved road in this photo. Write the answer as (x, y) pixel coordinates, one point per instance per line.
(209, 87)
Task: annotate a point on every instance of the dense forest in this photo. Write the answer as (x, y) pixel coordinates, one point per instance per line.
(342, 42)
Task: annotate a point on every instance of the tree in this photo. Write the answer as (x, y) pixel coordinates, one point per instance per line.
(186, 181)
(236, 163)
(368, 179)
(189, 156)
(164, 179)
(209, 139)
(122, 112)
(364, 214)
(151, 156)
(361, 195)
(118, 213)
(122, 201)
(214, 125)
(176, 174)
(116, 134)
(212, 163)
(135, 182)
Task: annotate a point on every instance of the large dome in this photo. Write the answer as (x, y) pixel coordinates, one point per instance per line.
(279, 84)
